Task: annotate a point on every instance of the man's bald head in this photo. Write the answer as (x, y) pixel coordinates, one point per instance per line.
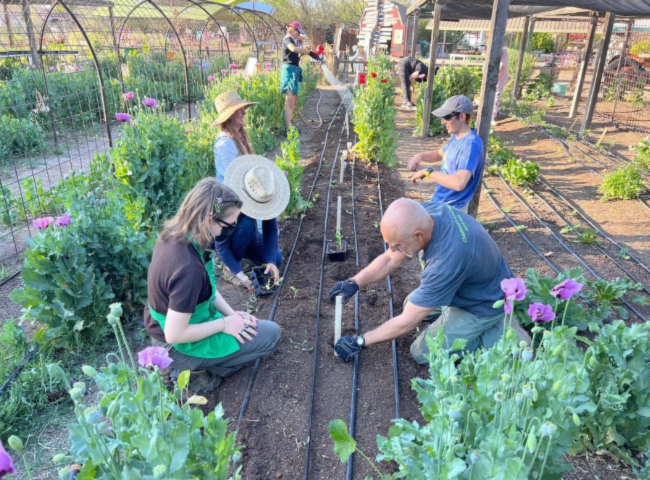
(406, 221)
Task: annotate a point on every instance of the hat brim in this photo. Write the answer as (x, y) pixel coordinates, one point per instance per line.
(228, 112)
(234, 179)
(442, 111)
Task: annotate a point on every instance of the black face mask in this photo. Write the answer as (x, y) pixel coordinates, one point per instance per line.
(226, 232)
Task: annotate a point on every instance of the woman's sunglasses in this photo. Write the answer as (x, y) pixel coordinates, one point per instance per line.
(450, 116)
(223, 223)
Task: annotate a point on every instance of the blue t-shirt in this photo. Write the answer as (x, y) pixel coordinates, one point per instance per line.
(464, 267)
(461, 154)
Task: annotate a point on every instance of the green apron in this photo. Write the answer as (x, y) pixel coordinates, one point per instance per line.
(215, 346)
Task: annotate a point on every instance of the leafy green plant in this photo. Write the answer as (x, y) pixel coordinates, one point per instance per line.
(636, 98)
(642, 157)
(498, 151)
(140, 430)
(520, 173)
(374, 118)
(289, 162)
(640, 48)
(542, 41)
(21, 137)
(150, 164)
(624, 183)
(539, 88)
(611, 292)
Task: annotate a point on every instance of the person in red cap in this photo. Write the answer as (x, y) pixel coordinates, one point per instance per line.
(291, 72)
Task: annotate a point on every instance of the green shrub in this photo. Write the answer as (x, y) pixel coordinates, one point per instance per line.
(449, 81)
(626, 183)
(642, 157)
(540, 88)
(542, 41)
(520, 173)
(150, 163)
(527, 70)
(289, 162)
(374, 116)
(72, 273)
(640, 48)
(31, 390)
(20, 138)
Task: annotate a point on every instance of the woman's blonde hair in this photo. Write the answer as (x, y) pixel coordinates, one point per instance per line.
(207, 201)
(240, 137)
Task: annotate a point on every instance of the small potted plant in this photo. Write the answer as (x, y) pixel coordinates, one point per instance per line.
(263, 282)
(337, 251)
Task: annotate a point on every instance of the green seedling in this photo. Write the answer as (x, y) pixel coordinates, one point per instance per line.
(294, 290)
(348, 212)
(623, 254)
(302, 346)
(588, 237)
(376, 224)
(339, 239)
(251, 305)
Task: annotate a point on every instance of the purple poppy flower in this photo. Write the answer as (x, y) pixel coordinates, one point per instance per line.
(237, 85)
(154, 356)
(128, 96)
(43, 222)
(6, 463)
(513, 289)
(233, 66)
(539, 312)
(224, 71)
(566, 289)
(150, 102)
(63, 220)
(210, 78)
(122, 117)
(188, 131)
(34, 111)
(52, 69)
(286, 174)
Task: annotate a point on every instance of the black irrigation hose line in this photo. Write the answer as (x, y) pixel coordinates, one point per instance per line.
(582, 261)
(5, 386)
(251, 380)
(318, 308)
(10, 277)
(596, 246)
(355, 370)
(390, 307)
(591, 224)
(541, 255)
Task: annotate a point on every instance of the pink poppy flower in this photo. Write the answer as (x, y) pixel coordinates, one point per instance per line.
(128, 96)
(233, 66)
(539, 312)
(63, 220)
(122, 117)
(188, 131)
(150, 102)
(224, 71)
(566, 289)
(210, 78)
(43, 222)
(6, 463)
(154, 356)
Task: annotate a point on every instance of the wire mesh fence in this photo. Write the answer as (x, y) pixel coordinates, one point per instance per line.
(69, 69)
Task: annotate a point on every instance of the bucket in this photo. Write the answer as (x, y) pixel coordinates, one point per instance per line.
(560, 88)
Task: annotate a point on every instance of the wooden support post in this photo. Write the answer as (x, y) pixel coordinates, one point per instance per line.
(516, 90)
(10, 32)
(598, 74)
(29, 25)
(414, 39)
(621, 62)
(426, 116)
(489, 84)
(583, 67)
(338, 313)
(338, 214)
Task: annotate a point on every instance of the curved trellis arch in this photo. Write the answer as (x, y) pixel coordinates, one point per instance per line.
(95, 62)
(213, 18)
(178, 38)
(261, 16)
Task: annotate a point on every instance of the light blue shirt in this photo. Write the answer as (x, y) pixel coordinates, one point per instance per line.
(225, 151)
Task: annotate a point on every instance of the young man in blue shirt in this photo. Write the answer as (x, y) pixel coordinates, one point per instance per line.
(461, 159)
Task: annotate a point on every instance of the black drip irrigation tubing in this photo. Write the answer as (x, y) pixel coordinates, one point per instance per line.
(559, 239)
(355, 370)
(18, 369)
(571, 157)
(10, 277)
(390, 307)
(596, 246)
(318, 308)
(591, 224)
(251, 380)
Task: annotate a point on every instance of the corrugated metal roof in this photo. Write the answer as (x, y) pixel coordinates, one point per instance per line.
(517, 25)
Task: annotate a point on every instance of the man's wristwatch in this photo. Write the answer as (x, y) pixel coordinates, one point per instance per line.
(361, 341)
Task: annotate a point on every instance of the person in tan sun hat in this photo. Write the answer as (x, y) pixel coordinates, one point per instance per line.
(233, 139)
(264, 191)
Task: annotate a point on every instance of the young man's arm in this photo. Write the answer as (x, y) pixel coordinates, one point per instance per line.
(433, 156)
(467, 167)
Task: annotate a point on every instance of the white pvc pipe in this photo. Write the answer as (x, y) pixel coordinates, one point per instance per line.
(338, 313)
(338, 214)
(342, 169)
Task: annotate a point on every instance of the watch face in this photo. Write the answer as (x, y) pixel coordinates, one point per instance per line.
(361, 341)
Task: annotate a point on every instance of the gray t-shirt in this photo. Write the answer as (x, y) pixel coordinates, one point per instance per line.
(464, 266)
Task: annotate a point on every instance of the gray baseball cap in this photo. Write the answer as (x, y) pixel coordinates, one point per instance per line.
(455, 104)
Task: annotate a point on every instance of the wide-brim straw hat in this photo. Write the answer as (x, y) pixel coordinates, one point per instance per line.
(228, 103)
(261, 186)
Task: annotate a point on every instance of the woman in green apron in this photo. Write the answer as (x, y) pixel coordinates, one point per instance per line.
(185, 312)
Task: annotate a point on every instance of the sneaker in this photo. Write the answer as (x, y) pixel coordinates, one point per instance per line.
(204, 382)
(409, 106)
(494, 123)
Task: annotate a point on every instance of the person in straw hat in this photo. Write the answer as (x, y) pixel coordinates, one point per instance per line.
(185, 313)
(233, 139)
(264, 191)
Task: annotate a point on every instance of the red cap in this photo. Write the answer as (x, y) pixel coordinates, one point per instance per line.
(296, 24)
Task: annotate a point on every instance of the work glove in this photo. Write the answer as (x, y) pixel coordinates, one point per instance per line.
(319, 50)
(347, 347)
(348, 288)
